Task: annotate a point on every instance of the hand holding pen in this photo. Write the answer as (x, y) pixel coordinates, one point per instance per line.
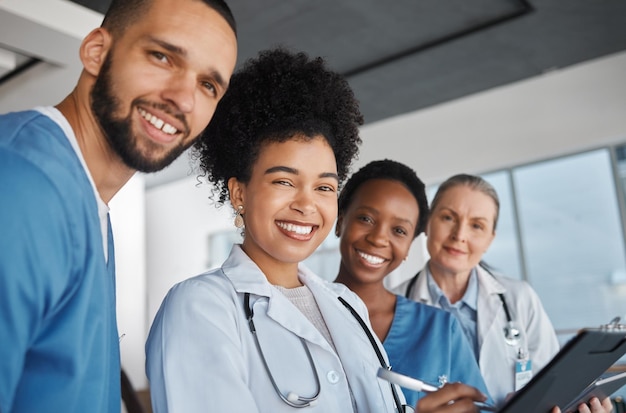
(451, 398)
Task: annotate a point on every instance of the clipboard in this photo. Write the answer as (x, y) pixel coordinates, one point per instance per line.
(578, 364)
(601, 388)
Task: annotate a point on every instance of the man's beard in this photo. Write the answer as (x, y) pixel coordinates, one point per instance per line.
(118, 131)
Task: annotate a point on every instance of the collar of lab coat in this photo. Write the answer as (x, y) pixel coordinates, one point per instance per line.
(247, 277)
(489, 303)
(488, 285)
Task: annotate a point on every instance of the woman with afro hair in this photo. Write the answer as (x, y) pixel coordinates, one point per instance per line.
(263, 333)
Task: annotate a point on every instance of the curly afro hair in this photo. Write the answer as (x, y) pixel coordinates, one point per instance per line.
(393, 171)
(271, 99)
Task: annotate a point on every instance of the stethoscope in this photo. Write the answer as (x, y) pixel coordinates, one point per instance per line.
(291, 398)
(512, 334)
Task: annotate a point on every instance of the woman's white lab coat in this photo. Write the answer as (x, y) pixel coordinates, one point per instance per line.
(201, 355)
(497, 359)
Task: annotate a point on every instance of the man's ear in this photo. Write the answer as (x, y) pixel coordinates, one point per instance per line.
(236, 191)
(94, 49)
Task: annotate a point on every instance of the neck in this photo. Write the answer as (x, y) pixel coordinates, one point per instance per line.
(107, 169)
(380, 303)
(372, 294)
(284, 274)
(453, 284)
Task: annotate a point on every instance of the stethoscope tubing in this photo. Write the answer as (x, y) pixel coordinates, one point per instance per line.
(302, 400)
(507, 313)
(511, 334)
(307, 401)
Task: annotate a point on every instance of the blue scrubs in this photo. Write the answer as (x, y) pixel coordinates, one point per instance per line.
(428, 343)
(59, 348)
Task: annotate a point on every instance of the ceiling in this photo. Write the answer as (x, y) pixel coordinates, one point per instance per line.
(405, 55)
(400, 56)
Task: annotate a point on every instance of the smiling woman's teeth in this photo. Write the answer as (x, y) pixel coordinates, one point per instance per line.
(157, 123)
(371, 259)
(298, 229)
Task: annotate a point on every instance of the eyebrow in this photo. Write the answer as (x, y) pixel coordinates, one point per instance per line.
(183, 53)
(453, 212)
(294, 171)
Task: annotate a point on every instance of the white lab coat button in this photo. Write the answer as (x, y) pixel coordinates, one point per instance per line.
(332, 377)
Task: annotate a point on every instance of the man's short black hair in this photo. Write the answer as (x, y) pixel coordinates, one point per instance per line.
(123, 13)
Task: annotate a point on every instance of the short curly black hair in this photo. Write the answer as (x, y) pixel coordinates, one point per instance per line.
(121, 14)
(393, 171)
(272, 98)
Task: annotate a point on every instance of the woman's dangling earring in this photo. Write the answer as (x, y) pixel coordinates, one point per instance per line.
(239, 217)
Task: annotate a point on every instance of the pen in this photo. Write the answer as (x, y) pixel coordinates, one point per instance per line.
(405, 381)
(418, 385)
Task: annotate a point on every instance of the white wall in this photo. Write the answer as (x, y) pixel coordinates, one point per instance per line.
(180, 216)
(129, 232)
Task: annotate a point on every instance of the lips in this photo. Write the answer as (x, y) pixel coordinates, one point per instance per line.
(454, 251)
(298, 232)
(371, 259)
(298, 229)
(160, 130)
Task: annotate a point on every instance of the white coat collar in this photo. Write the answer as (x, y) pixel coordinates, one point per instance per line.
(244, 274)
(487, 285)
(247, 277)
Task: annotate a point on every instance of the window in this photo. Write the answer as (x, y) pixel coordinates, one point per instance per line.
(572, 238)
(503, 254)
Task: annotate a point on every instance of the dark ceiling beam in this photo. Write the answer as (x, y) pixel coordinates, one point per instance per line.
(524, 9)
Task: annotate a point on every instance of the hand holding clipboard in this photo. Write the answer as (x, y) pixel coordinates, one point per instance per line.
(578, 364)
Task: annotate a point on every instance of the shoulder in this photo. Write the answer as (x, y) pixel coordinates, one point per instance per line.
(211, 288)
(515, 287)
(14, 121)
(500, 283)
(24, 131)
(35, 149)
(401, 289)
(424, 312)
(206, 301)
(519, 294)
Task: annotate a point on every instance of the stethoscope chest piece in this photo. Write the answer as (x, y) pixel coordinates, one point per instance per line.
(512, 334)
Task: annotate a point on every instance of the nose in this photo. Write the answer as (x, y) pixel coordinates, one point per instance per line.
(304, 203)
(378, 237)
(180, 91)
(459, 232)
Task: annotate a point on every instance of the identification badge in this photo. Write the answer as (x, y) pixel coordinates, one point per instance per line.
(523, 372)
